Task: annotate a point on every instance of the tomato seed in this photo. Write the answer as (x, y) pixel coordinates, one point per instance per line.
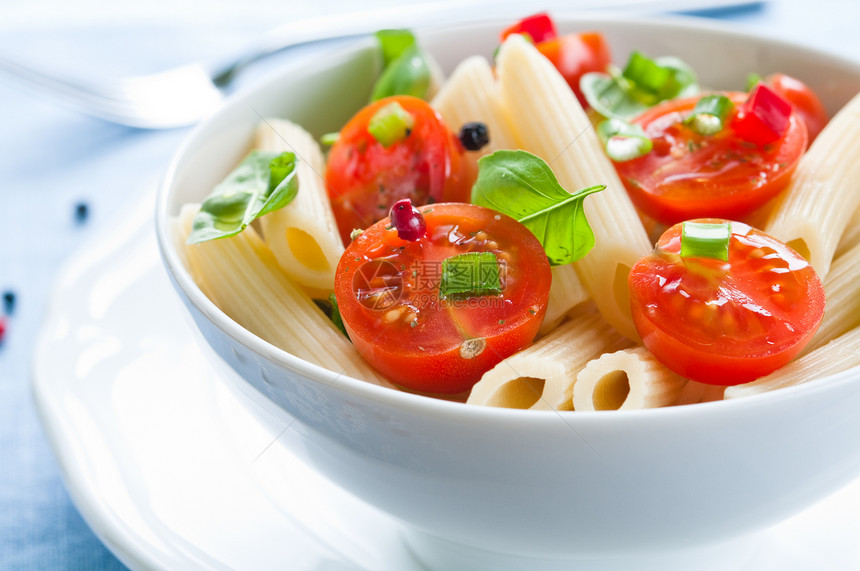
(471, 348)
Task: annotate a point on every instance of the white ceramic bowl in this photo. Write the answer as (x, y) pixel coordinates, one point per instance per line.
(534, 483)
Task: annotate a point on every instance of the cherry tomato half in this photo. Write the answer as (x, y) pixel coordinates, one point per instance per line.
(806, 103)
(725, 323)
(574, 55)
(387, 291)
(688, 175)
(364, 178)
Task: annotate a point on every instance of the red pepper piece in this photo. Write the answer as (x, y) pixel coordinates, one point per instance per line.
(538, 27)
(764, 116)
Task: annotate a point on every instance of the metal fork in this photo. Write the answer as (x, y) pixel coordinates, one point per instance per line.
(186, 94)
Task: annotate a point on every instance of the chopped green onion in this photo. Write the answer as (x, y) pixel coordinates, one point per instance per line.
(710, 114)
(329, 139)
(470, 275)
(623, 141)
(392, 123)
(706, 240)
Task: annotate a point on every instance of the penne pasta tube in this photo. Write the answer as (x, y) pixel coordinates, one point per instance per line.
(550, 123)
(303, 235)
(851, 236)
(541, 376)
(694, 393)
(241, 276)
(565, 293)
(625, 380)
(472, 94)
(836, 356)
(842, 292)
(813, 211)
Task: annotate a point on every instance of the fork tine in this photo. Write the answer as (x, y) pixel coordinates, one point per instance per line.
(175, 98)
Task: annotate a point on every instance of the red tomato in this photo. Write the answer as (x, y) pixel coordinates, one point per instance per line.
(725, 323)
(576, 54)
(387, 291)
(688, 175)
(364, 178)
(806, 103)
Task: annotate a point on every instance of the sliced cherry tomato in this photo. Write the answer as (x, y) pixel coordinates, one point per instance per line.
(806, 103)
(725, 323)
(365, 178)
(688, 175)
(574, 55)
(388, 294)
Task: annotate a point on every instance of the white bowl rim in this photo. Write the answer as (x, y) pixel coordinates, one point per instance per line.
(450, 409)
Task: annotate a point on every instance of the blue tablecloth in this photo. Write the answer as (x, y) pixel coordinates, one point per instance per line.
(63, 175)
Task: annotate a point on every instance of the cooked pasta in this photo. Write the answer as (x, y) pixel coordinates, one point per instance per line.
(625, 380)
(541, 377)
(836, 356)
(549, 122)
(565, 294)
(472, 94)
(842, 291)
(240, 275)
(813, 212)
(303, 235)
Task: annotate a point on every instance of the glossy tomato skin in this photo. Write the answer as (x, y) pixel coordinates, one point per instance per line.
(364, 178)
(726, 323)
(574, 55)
(688, 175)
(387, 291)
(805, 101)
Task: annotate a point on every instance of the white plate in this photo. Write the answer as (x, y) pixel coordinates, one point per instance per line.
(171, 470)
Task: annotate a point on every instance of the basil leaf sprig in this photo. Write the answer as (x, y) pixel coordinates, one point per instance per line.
(643, 83)
(262, 183)
(523, 186)
(406, 67)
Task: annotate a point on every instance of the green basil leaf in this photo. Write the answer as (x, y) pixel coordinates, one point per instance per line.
(262, 183)
(624, 94)
(407, 74)
(335, 315)
(393, 43)
(609, 95)
(524, 187)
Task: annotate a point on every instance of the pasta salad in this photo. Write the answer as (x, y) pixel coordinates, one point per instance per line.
(490, 237)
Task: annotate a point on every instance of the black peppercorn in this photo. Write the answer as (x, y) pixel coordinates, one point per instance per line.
(474, 136)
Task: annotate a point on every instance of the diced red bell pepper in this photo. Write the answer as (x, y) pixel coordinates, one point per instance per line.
(538, 27)
(764, 116)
